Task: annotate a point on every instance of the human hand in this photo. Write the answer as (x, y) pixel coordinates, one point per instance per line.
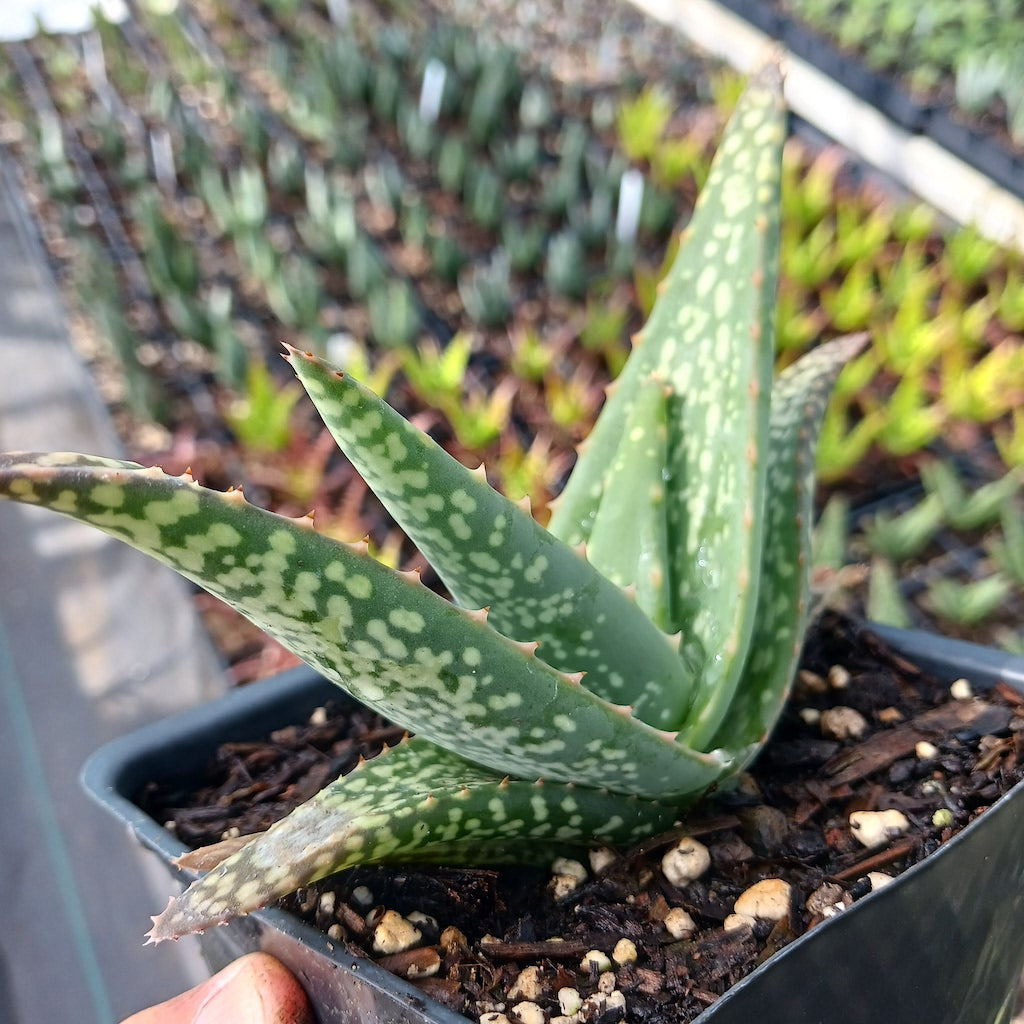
(255, 989)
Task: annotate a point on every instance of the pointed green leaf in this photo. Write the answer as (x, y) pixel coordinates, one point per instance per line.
(492, 553)
(629, 542)
(413, 803)
(799, 400)
(394, 645)
(710, 336)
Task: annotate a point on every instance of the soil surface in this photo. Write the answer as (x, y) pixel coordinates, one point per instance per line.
(907, 745)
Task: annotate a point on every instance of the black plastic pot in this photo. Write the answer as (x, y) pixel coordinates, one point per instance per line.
(943, 944)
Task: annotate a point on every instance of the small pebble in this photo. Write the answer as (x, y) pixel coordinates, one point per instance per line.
(601, 858)
(595, 960)
(811, 681)
(810, 716)
(563, 885)
(875, 828)
(528, 985)
(494, 1017)
(528, 1013)
(679, 924)
(842, 723)
(942, 818)
(624, 952)
(394, 934)
(961, 690)
(569, 1001)
(362, 897)
(568, 876)
(318, 717)
(890, 716)
(685, 862)
(452, 939)
(568, 866)
(606, 983)
(879, 880)
(425, 923)
(767, 900)
(925, 751)
(838, 677)
(766, 828)
(597, 1005)
(735, 922)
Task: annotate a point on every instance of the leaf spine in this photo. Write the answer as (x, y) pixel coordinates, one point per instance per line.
(528, 647)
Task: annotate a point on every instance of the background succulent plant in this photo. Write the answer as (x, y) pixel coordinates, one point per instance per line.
(568, 695)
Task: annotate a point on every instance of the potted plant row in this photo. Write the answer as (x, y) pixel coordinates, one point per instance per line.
(593, 679)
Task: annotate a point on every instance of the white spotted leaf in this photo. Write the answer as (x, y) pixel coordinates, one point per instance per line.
(433, 668)
(491, 553)
(799, 400)
(414, 803)
(710, 337)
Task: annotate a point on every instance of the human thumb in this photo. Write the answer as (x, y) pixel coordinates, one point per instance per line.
(255, 989)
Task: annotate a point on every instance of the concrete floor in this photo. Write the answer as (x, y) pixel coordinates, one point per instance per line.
(94, 640)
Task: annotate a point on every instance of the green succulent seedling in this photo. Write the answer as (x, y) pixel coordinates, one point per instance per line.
(963, 509)
(590, 680)
(967, 604)
(642, 121)
(886, 602)
(486, 290)
(1007, 549)
(902, 535)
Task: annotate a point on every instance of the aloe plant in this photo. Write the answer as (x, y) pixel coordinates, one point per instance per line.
(590, 680)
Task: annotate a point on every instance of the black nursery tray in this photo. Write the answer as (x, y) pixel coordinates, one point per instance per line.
(939, 944)
(984, 150)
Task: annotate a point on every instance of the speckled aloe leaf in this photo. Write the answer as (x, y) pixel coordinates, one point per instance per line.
(799, 399)
(492, 553)
(629, 542)
(394, 645)
(414, 802)
(711, 336)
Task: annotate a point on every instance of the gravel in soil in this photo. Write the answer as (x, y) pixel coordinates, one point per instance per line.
(865, 731)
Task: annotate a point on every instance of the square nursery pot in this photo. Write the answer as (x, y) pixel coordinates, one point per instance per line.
(943, 943)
